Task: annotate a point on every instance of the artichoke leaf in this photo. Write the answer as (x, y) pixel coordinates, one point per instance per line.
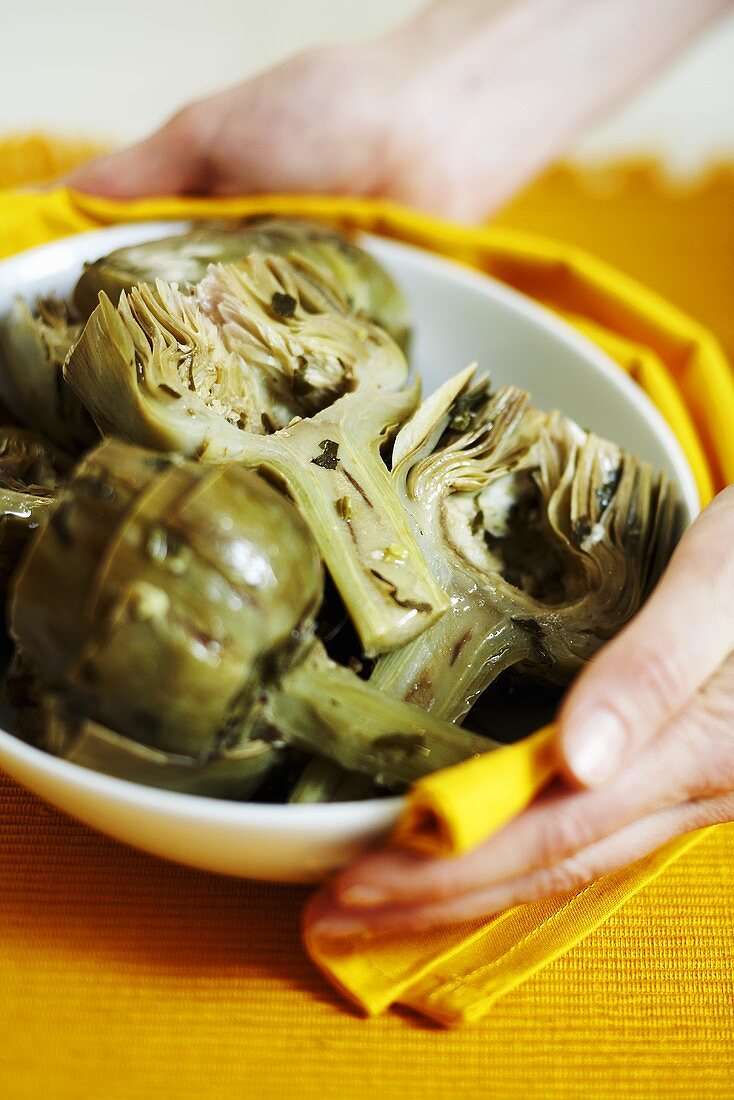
(324, 781)
(31, 472)
(323, 708)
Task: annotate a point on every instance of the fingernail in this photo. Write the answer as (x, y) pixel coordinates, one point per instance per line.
(594, 749)
(363, 897)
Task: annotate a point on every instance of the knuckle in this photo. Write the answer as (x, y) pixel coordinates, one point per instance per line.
(563, 877)
(447, 884)
(565, 834)
(706, 550)
(189, 125)
(710, 811)
(655, 679)
(703, 743)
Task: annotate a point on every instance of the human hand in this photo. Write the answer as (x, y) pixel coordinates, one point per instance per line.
(315, 123)
(646, 743)
(452, 113)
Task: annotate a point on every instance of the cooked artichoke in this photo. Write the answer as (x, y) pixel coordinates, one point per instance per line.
(324, 781)
(185, 258)
(160, 591)
(546, 537)
(233, 772)
(264, 363)
(325, 709)
(30, 475)
(173, 603)
(32, 353)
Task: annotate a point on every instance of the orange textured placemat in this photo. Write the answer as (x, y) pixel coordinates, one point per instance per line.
(124, 978)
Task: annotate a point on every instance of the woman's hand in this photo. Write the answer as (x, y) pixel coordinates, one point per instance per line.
(315, 123)
(646, 741)
(452, 113)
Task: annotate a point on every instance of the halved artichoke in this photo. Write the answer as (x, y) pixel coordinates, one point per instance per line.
(265, 363)
(174, 604)
(185, 259)
(31, 473)
(33, 347)
(546, 537)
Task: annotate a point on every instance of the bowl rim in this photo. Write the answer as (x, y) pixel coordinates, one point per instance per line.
(365, 812)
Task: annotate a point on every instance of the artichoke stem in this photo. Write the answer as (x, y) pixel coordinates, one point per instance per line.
(318, 782)
(344, 492)
(446, 670)
(331, 712)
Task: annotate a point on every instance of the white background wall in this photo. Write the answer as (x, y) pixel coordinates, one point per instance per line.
(117, 70)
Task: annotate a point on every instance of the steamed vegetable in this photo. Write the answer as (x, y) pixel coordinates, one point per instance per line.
(174, 604)
(159, 592)
(33, 347)
(167, 612)
(266, 364)
(235, 771)
(324, 781)
(30, 475)
(546, 538)
(185, 258)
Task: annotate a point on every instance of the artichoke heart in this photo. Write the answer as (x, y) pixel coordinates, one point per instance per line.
(546, 537)
(266, 364)
(186, 257)
(33, 347)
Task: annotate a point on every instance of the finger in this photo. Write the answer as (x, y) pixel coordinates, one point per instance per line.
(166, 163)
(326, 919)
(674, 644)
(693, 757)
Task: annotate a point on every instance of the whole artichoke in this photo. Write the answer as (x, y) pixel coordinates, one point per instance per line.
(172, 604)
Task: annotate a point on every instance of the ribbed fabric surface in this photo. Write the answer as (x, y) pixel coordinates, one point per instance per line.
(125, 978)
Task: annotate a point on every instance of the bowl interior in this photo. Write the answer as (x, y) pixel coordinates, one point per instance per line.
(460, 316)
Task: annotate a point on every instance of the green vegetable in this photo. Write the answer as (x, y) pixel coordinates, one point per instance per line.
(160, 594)
(185, 258)
(546, 538)
(30, 475)
(325, 709)
(324, 781)
(308, 393)
(174, 604)
(33, 347)
(234, 772)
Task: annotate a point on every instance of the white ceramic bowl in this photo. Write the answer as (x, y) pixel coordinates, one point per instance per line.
(459, 316)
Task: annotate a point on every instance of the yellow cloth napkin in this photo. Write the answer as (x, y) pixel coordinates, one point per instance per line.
(456, 975)
(449, 812)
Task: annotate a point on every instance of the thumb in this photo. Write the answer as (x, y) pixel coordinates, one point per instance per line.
(169, 162)
(650, 670)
